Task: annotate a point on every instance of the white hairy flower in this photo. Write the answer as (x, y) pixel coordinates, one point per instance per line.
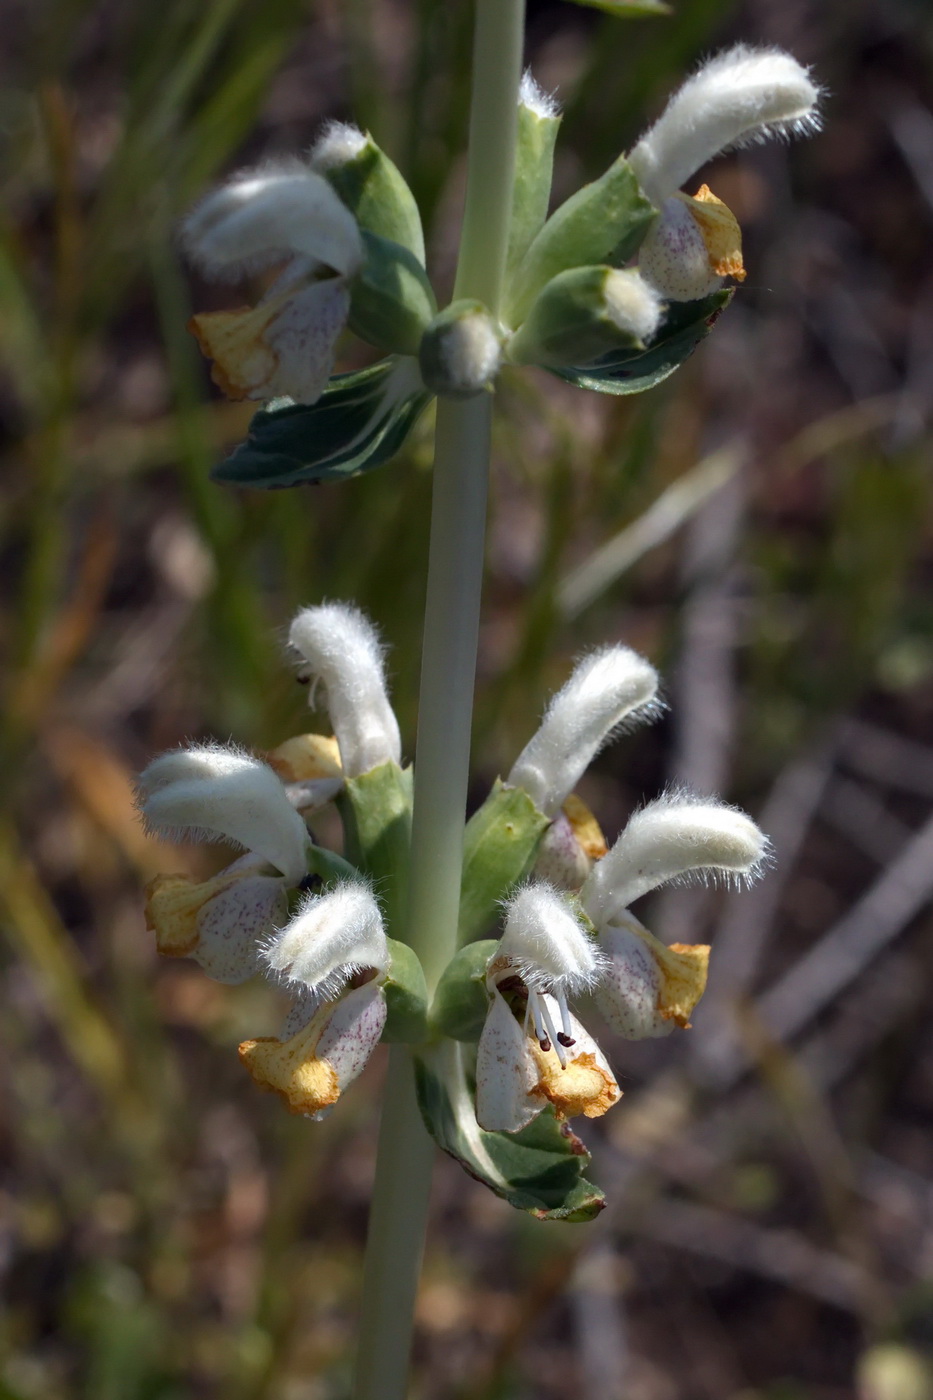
(333, 956)
(544, 1055)
(279, 213)
(341, 651)
(673, 838)
(740, 96)
(607, 688)
(216, 793)
(330, 939)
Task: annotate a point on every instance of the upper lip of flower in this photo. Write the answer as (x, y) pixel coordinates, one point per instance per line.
(546, 949)
(740, 96)
(340, 647)
(285, 345)
(211, 791)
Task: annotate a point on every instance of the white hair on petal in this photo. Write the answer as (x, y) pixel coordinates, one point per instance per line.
(680, 836)
(268, 214)
(545, 942)
(330, 938)
(211, 792)
(607, 689)
(632, 303)
(741, 96)
(338, 143)
(342, 651)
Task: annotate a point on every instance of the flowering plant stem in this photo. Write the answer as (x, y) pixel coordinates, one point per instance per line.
(455, 570)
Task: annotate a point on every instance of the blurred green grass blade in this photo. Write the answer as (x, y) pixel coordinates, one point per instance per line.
(626, 9)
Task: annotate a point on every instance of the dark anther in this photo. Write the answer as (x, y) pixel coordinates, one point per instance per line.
(545, 1044)
(310, 882)
(511, 984)
(565, 1040)
(303, 680)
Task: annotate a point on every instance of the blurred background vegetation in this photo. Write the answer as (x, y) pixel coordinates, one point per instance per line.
(759, 525)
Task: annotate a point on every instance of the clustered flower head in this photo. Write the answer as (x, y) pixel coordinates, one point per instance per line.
(329, 951)
(582, 940)
(311, 923)
(591, 289)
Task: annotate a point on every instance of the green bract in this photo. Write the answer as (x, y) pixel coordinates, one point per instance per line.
(539, 1170)
(461, 999)
(329, 867)
(360, 421)
(569, 322)
(373, 187)
(534, 167)
(376, 812)
(406, 997)
(631, 372)
(602, 223)
(391, 299)
(499, 845)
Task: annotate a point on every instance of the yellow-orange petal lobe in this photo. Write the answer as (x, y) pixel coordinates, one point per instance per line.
(582, 1086)
(720, 232)
(306, 758)
(291, 1070)
(683, 968)
(243, 364)
(585, 827)
(310, 1070)
(173, 904)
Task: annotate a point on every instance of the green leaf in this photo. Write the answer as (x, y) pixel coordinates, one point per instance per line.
(539, 1170)
(499, 844)
(604, 222)
(627, 9)
(461, 1000)
(376, 812)
(360, 421)
(631, 372)
(406, 997)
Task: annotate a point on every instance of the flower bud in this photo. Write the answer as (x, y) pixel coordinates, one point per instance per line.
(460, 351)
(342, 651)
(605, 689)
(585, 313)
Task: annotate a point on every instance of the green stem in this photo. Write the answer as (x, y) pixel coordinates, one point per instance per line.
(455, 572)
(395, 1244)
